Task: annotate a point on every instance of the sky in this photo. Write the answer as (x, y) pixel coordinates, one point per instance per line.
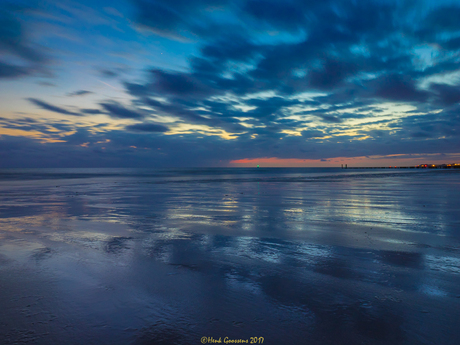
(217, 83)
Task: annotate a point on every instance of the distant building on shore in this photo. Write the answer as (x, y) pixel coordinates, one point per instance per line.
(420, 166)
(438, 166)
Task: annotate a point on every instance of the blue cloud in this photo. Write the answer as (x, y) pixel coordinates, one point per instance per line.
(51, 107)
(79, 93)
(147, 127)
(15, 42)
(117, 111)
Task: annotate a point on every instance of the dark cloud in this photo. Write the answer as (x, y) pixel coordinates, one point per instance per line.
(444, 124)
(79, 93)
(421, 135)
(117, 111)
(108, 73)
(147, 127)
(398, 87)
(331, 74)
(13, 38)
(177, 18)
(160, 18)
(268, 108)
(231, 48)
(12, 71)
(178, 84)
(312, 134)
(279, 62)
(15, 42)
(62, 126)
(92, 111)
(49, 129)
(51, 107)
(288, 15)
(451, 44)
(181, 110)
(448, 95)
(444, 19)
(330, 118)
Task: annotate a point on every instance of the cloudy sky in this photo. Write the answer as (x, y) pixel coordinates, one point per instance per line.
(144, 83)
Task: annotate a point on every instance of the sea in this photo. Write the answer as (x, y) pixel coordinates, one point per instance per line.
(230, 255)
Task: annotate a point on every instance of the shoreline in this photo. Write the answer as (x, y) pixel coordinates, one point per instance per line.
(421, 166)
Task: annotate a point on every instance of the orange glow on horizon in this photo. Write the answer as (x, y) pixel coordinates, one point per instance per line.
(362, 161)
(277, 162)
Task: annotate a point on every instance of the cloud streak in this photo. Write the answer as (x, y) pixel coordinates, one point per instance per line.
(50, 107)
(117, 111)
(79, 93)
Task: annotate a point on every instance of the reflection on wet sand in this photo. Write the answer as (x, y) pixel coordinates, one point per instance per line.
(123, 260)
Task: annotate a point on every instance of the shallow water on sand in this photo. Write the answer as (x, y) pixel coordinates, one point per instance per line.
(295, 256)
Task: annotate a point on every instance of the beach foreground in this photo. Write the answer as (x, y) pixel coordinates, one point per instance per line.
(296, 256)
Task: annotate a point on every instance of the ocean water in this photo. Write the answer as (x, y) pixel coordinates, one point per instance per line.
(192, 256)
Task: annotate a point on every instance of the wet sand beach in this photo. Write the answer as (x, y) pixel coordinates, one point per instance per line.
(296, 256)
